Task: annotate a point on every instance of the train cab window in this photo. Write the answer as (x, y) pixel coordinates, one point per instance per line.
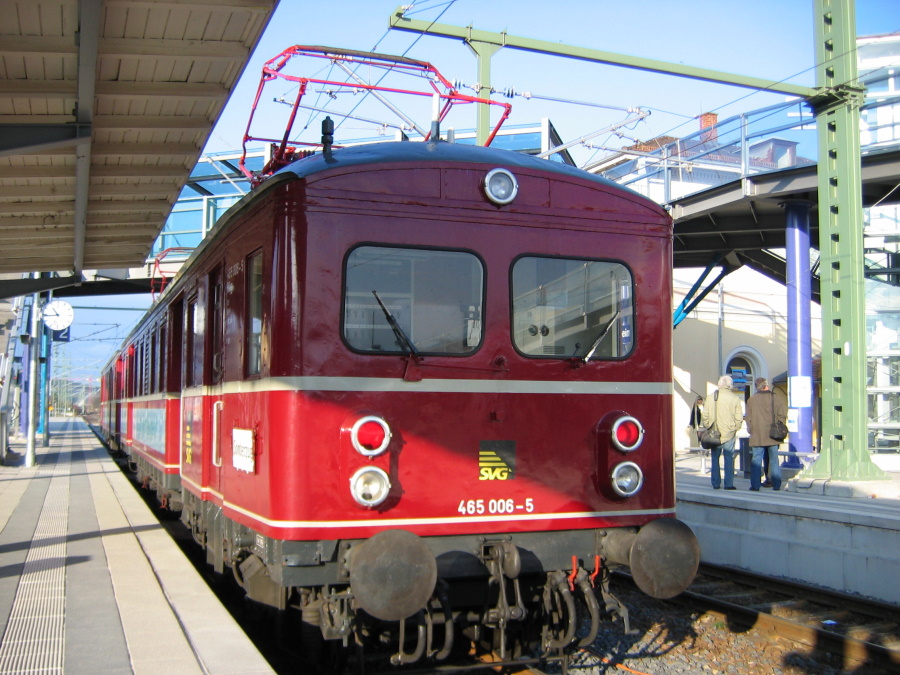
(254, 314)
(402, 300)
(568, 308)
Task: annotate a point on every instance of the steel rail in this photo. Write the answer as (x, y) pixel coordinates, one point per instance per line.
(855, 651)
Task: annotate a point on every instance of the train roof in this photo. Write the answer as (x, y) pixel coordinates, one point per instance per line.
(441, 152)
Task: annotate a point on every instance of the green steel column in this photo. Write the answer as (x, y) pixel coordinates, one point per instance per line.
(483, 52)
(845, 453)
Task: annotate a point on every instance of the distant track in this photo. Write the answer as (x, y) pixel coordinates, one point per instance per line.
(861, 631)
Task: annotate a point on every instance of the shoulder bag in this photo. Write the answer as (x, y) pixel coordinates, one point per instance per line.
(711, 438)
(777, 431)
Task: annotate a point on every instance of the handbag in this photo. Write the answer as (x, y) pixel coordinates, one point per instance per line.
(778, 431)
(711, 438)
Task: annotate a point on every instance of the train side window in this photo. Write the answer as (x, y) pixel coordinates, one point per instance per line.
(176, 342)
(215, 310)
(433, 298)
(152, 361)
(254, 321)
(161, 359)
(143, 370)
(120, 377)
(564, 308)
(132, 370)
(193, 362)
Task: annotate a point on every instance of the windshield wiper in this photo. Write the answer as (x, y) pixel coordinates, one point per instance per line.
(401, 336)
(596, 343)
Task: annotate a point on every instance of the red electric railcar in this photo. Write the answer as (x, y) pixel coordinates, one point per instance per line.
(410, 384)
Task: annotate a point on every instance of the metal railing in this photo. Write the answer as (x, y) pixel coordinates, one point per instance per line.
(775, 138)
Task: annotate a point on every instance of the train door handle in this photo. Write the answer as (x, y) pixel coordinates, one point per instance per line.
(216, 453)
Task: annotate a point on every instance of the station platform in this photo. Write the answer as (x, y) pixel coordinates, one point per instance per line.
(90, 582)
(840, 535)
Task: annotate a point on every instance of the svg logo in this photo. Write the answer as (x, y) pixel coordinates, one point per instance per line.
(497, 460)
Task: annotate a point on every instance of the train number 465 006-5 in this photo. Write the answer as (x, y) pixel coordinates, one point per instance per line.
(474, 507)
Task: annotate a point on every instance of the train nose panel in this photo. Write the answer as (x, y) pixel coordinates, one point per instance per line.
(392, 574)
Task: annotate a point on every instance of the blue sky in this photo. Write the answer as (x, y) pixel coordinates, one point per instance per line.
(770, 39)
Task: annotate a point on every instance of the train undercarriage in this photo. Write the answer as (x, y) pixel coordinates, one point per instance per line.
(412, 599)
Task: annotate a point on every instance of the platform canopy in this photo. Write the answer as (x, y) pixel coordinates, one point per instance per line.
(105, 106)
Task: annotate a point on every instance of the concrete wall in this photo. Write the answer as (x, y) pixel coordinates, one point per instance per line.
(847, 545)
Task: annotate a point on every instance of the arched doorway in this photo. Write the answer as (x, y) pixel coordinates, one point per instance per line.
(745, 364)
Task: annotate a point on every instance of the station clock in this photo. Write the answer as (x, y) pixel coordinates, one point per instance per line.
(58, 314)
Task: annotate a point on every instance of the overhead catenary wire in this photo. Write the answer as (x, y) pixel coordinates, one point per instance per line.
(784, 80)
(414, 8)
(408, 8)
(635, 116)
(357, 118)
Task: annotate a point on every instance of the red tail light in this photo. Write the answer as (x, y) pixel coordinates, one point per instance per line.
(627, 433)
(370, 435)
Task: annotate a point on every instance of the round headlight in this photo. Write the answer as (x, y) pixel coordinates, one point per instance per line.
(627, 433)
(627, 479)
(500, 186)
(370, 435)
(370, 486)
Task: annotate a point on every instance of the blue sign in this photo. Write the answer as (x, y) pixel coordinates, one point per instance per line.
(739, 375)
(61, 335)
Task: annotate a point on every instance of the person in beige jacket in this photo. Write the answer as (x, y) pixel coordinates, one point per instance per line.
(724, 412)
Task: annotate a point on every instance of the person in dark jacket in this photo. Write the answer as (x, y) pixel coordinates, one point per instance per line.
(697, 420)
(763, 408)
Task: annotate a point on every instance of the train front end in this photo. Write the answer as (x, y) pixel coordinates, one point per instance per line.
(467, 415)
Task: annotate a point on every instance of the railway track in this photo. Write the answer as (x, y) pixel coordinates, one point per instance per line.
(859, 630)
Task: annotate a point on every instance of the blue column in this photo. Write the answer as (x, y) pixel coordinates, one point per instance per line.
(799, 283)
(42, 380)
(23, 390)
